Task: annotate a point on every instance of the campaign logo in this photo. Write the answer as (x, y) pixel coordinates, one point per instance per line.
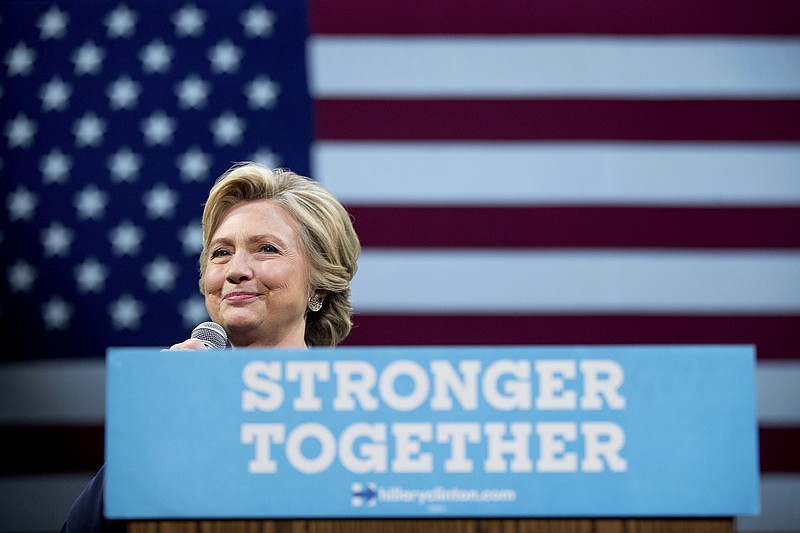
(364, 495)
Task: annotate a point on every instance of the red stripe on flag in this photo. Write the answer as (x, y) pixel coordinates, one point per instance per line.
(775, 336)
(575, 226)
(558, 119)
(778, 449)
(29, 449)
(623, 17)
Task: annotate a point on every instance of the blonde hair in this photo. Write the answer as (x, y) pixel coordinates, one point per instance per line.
(330, 243)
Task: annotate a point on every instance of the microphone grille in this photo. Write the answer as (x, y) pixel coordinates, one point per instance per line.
(212, 335)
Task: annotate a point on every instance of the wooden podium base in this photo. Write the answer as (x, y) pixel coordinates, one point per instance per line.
(638, 525)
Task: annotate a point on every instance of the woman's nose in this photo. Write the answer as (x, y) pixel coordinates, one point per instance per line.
(239, 268)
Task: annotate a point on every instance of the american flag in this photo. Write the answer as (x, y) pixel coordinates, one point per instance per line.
(549, 172)
(116, 120)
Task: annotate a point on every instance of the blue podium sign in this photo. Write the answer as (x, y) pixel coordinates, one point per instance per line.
(362, 432)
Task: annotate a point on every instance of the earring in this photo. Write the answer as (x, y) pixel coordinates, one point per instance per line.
(315, 303)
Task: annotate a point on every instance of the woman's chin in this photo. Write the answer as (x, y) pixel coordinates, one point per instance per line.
(239, 322)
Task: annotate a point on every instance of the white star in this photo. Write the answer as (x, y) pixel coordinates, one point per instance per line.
(55, 166)
(194, 164)
(21, 204)
(20, 60)
(193, 311)
(56, 239)
(160, 201)
(91, 203)
(89, 130)
(257, 21)
(227, 129)
(126, 312)
(225, 57)
(53, 24)
(191, 236)
(56, 313)
(266, 157)
(189, 21)
(156, 57)
(123, 93)
(261, 93)
(21, 276)
(55, 95)
(160, 274)
(91, 276)
(121, 22)
(20, 131)
(126, 239)
(192, 92)
(158, 129)
(124, 165)
(88, 58)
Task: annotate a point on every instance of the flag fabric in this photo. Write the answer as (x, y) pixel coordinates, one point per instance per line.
(116, 119)
(565, 173)
(518, 172)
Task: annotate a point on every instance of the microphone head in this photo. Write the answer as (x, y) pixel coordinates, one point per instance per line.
(212, 335)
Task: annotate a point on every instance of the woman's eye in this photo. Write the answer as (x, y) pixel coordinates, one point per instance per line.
(268, 248)
(221, 252)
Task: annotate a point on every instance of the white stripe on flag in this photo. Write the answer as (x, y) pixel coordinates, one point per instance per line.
(780, 512)
(778, 388)
(56, 400)
(535, 66)
(38, 503)
(68, 391)
(510, 281)
(585, 173)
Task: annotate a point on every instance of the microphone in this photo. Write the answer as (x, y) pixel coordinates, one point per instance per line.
(212, 335)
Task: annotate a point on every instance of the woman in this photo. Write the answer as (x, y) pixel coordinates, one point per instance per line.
(279, 252)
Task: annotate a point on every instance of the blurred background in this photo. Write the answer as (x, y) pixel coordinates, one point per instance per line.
(549, 172)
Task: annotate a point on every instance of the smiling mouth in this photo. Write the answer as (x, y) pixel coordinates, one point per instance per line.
(240, 296)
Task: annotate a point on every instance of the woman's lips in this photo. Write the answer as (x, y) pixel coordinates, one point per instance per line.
(240, 296)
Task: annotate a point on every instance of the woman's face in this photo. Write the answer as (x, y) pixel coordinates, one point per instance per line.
(256, 281)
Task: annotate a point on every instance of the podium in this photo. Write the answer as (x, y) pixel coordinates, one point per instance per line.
(605, 525)
(524, 439)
